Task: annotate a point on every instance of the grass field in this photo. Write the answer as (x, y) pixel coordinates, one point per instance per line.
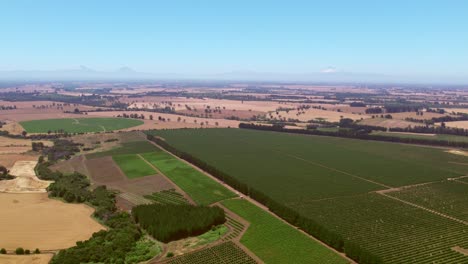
(226, 253)
(76, 125)
(448, 197)
(202, 189)
(276, 242)
(451, 138)
(133, 166)
(135, 147)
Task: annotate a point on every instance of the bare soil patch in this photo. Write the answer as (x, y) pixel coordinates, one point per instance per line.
(25, 180)
(26, 259)
(8, 160)
(35, 221)
(458, 152)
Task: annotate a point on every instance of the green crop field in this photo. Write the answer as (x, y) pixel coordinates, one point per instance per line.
(226, 253)
(297, 168)
(135, 147)
(77, 125)
(448, 197)
(201, 188)
(133, 166)
(453, 138)
(396, 232)
(276, 242)
(331, 181)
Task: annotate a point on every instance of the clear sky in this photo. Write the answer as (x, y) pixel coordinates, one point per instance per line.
(408, 37)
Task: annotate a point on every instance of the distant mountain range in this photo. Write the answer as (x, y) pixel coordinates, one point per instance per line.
(329, 75)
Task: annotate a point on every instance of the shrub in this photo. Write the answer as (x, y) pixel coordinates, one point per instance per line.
(19, 251)
(27, 252)
(37, 251)
(169, 254)
(3, 251)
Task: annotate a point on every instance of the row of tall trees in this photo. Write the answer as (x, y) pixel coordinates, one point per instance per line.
(173, 222)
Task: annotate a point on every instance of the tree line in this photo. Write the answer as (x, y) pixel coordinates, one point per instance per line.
(310, 226)
(171, 222)
(360, 133)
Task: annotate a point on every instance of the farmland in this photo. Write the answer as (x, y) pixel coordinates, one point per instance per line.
(453, 138)
(202, 189)
(302, 173)
(133, 166)
(264, 159)
(49, 225)
(276, 242)
(226, 253)
(396, 232)
(448, 197)
(78, 125)
(126, 148)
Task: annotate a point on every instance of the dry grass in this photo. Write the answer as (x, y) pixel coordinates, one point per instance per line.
(17, 146)
(457, 124)
(311, 114)
(26, 259)
(388, 123)
(35, 221)
(8, 160)
(425, 116)
(190, 122)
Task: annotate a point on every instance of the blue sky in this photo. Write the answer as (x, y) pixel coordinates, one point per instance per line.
(420, 38)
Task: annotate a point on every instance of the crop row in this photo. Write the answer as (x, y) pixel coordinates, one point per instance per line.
(393, 231)
(167, 197)
(448, 197)
(226, 253)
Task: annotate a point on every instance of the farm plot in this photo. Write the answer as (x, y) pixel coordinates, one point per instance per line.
(391, 230)
(293, 168)
(170, 196)
(35, 221)
(202, 189)
(77, 125)
(133, 166)
(448, 197)
(276, 242)
(135, 147)
(452, 138)
(226, 253)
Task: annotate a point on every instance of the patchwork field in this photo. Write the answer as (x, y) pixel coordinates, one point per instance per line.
(276, 242)
(135, 147)
(133, 166)
(76, 125)
(333, 181)
(34, 221)
(202, 189)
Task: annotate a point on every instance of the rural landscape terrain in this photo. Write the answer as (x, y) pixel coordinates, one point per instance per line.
(232, 172)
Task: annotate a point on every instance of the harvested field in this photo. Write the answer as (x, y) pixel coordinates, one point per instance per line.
(312, 114)
(35, 221)
(387, 123)
(17, 145)
(425, 116)
(242, 114)
(171, 120)
(8, 160)
(457, 124)
(75, 164)
(27, 259)
(25, 180)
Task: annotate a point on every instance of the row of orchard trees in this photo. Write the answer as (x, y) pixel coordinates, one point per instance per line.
(310, 226)
(173, 222)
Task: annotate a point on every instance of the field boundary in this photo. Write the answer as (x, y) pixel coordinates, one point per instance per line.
(425, 209)
(167, 178)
